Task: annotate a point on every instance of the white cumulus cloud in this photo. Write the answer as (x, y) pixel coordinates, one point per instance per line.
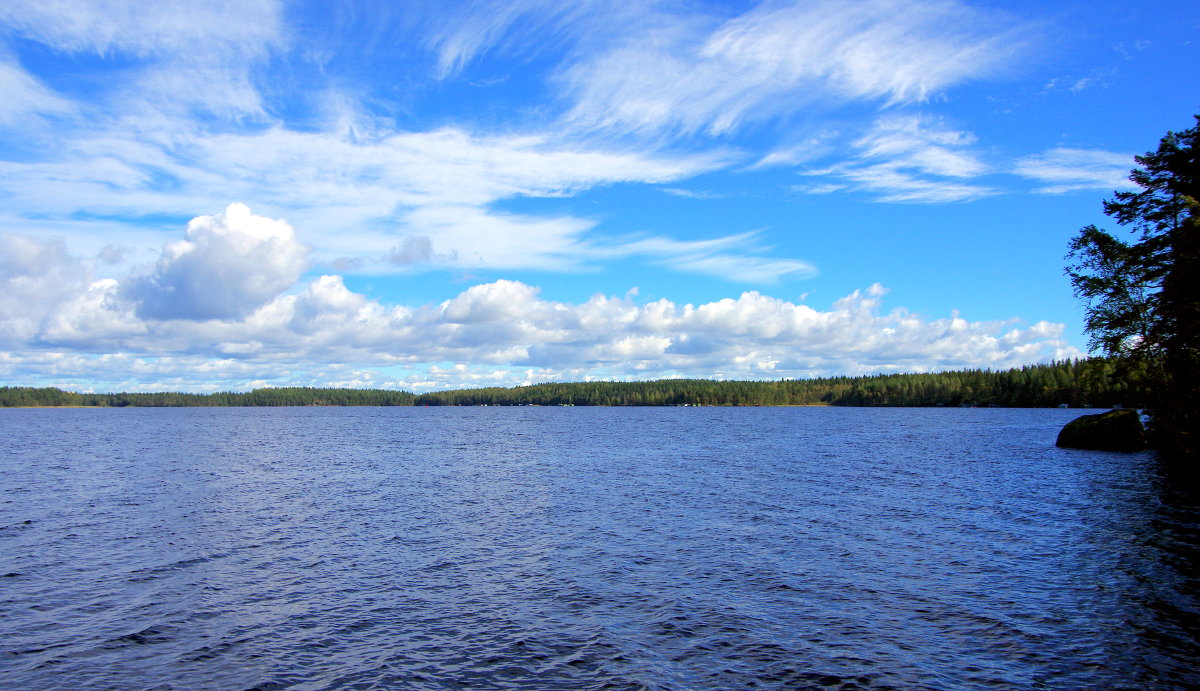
(500, 332)
(229, 264)
(36, 276)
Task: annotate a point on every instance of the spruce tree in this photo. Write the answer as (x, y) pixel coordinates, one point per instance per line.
(1143, 296)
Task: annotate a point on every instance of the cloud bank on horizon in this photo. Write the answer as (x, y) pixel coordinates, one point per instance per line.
(219, 195)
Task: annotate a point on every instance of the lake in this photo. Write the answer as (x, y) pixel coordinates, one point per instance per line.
(586, 548)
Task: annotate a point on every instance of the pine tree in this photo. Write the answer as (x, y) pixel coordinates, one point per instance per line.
(1143, 300)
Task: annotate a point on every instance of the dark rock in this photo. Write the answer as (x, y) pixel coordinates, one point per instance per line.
(1116, 430)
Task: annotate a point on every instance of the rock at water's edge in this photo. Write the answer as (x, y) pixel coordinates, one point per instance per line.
(1116, 430)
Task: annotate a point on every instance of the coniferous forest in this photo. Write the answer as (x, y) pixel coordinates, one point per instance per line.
(11, 396)
(1077, 383)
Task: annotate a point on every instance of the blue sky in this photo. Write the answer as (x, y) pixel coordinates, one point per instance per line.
(224, 195)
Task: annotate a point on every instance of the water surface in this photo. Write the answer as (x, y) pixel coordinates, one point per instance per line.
(580, 548)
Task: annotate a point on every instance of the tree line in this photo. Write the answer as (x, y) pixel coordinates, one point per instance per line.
(1075, 383)
(1096, 382)
(22, 396)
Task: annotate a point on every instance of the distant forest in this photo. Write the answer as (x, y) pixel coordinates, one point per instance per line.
(1096, 382)
(22, 396)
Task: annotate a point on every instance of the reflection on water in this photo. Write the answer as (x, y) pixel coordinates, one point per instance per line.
(587, 548)
(1164, 541)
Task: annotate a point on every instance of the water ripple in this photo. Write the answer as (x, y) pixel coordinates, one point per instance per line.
(587, 549)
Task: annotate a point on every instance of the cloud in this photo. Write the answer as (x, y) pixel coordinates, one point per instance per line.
(35, 277)
(725, 257)
(173, 109)
(98, 315)
(352, 197)
(193, 54)
(920, 160)
(230, 264)
(515, 25)
(418, 249)
(1064, 170)
(366, 196)
(921, 145)
(490, 302)
(23, 96)
(691, 194)
(171, 27)
(795, 154)
(472, 237)
(909, 159)
(892, 184)
(826, 188)
(226, 304)
(701, 74)
(402, 200)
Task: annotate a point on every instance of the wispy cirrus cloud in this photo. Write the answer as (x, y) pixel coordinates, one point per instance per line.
(651, 68)
(358, 201)
(795, 154)
(185, 54)
(180, 55)
(691, 194)
(521, 26)
(24, 98)
(711, 75)
(469, 237)
(909, 159)
(724, 257)
(1064, 170)
(922, 145)
(167, 27)
(362, 190)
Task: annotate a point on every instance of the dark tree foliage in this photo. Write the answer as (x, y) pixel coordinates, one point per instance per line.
(1110, 276)
(1081, 383)
(1143, 297)
(38, 397)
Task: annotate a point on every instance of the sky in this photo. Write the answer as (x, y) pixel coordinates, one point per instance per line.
(209, 196)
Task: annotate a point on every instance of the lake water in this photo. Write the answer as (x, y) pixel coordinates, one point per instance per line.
(586, 548)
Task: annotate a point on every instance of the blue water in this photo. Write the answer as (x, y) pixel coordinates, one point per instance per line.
(586, 548)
